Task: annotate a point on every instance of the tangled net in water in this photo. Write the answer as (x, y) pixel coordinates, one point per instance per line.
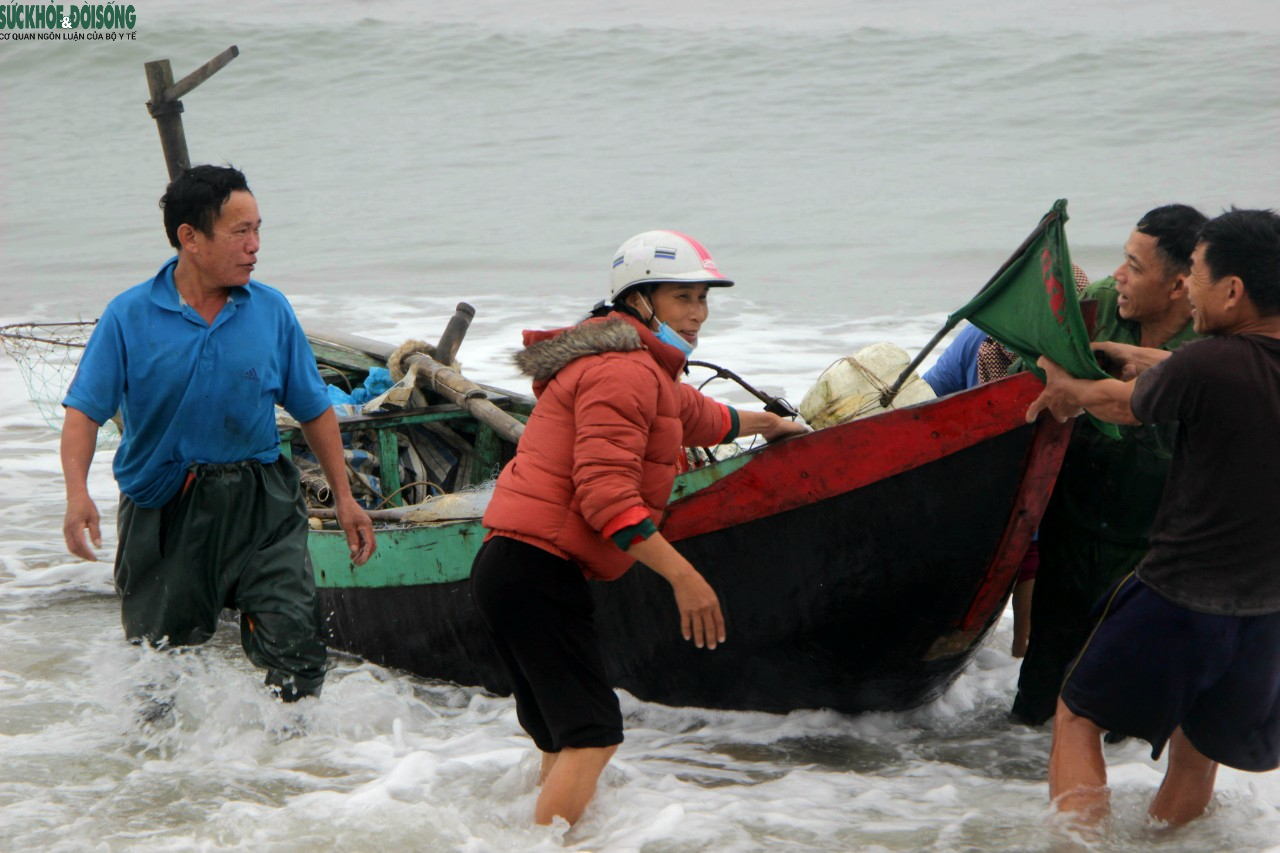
(47, 355)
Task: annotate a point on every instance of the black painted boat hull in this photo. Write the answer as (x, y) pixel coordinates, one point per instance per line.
(858, 569)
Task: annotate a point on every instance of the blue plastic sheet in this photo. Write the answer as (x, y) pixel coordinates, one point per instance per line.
(377, 382)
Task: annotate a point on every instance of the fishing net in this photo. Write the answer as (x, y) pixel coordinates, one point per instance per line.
(47, 355)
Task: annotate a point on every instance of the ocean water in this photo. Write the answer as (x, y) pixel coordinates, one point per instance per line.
(860, 169)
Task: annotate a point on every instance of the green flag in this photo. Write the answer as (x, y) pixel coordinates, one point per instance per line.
(1031, 305)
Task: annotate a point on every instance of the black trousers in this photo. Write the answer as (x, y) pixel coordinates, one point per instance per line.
(541, 617)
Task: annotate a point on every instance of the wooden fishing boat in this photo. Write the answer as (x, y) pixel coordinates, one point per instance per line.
(858, 567)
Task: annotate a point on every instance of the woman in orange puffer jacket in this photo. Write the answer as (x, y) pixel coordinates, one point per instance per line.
(583, 495)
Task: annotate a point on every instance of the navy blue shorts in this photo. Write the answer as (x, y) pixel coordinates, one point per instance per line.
(1152, 666)
(541, 617)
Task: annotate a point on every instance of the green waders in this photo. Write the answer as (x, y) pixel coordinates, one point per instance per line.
(1076, 569)
(1095, 529)
(1094, 532)
(235, 536)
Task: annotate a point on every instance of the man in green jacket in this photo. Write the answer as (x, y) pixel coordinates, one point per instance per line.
(1095, 528)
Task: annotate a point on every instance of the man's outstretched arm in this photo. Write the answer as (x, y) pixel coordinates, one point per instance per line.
(1065, 397)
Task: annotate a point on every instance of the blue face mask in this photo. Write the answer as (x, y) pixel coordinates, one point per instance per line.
(668, 335)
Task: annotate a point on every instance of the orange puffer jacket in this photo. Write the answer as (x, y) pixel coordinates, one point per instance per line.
(599, 452)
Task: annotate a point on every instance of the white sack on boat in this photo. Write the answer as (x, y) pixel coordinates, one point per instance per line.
(851, 388)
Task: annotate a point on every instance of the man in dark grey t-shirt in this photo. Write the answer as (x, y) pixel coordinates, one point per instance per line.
(1187, 650)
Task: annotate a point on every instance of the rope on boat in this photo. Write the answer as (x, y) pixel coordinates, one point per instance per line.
(871, 402)
(396, 361)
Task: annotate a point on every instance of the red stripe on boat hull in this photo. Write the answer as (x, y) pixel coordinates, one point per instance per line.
(852, 455)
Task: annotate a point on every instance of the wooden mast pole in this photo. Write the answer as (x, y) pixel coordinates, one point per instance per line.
(165, 105)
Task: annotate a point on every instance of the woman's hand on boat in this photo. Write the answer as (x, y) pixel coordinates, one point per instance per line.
(359, 529)
(82, 515)
(784, 428)
(769, 426)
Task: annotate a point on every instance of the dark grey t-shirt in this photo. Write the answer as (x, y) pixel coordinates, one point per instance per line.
(1215, 544)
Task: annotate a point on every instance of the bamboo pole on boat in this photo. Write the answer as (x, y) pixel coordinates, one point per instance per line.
(454, 332)
(166, 107)
(453, 386)
(440, 377)
(437, 377)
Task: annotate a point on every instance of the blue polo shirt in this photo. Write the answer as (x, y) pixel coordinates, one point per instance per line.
(191, 392)
(957, 367)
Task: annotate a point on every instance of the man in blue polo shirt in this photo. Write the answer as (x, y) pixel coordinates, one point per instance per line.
(211, 514)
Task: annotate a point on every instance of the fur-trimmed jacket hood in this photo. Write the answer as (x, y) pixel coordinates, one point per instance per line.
(547, 352)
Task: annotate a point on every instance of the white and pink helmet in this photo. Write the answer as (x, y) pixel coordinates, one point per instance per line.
(657, 257)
